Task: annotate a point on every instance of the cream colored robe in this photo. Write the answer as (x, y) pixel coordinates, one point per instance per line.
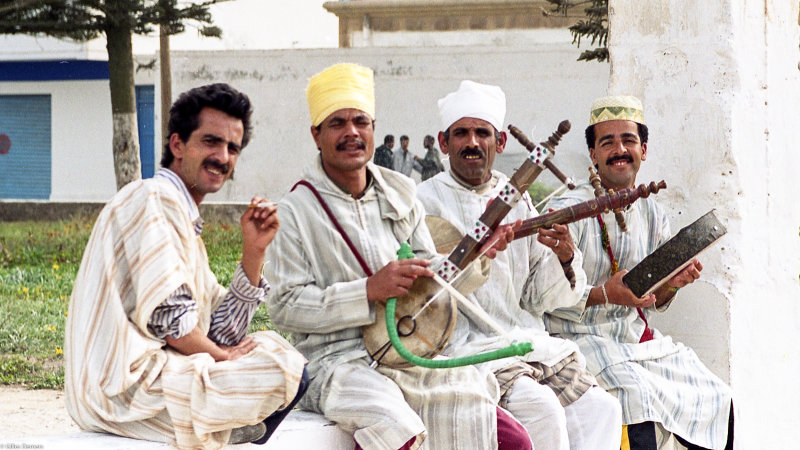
(319, 294)
(121, 379)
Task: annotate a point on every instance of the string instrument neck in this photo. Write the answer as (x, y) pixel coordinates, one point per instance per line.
(589, 208)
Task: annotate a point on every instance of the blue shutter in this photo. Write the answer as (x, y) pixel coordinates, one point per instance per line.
(145, 114)
(25, 161)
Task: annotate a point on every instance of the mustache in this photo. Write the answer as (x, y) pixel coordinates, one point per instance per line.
(224, 168)
(613, 159)
(468, 151)
(361, 144)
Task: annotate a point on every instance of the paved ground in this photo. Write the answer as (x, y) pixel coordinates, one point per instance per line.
(33, 412)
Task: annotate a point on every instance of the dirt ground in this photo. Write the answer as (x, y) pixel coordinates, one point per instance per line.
(38, 412)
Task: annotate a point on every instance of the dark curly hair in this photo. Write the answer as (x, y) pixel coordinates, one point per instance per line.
(184, 115)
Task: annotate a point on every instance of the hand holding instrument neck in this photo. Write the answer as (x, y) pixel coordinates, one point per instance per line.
(424, 319)
(520, 181)
(589, 208)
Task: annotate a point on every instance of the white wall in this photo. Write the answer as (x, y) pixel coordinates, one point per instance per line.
(720, 84)
(82, 165)
(543, 83)
(24, 47)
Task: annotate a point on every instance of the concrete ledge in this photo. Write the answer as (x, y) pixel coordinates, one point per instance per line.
(299, 431)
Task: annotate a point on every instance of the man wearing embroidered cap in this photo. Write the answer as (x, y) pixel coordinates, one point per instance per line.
(663, 387)
(335, 258)
(548, 390)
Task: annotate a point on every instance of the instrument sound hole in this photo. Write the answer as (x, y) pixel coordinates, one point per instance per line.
(406, 326)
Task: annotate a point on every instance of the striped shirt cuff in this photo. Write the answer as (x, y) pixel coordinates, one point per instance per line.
(230, 321)
(175, 317)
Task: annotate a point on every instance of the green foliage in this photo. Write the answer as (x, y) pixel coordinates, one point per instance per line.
(538, 191)
(38, 265)
(82, 20)
(593, 25)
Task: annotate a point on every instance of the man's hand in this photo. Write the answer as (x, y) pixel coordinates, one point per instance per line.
(395, 278)
(619, 294)
(197, 342)
(559, 239)
(237, 351)
(499, 240)
(686, 276)
(259, 226)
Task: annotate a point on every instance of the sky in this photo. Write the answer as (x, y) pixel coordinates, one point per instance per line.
(256, 25)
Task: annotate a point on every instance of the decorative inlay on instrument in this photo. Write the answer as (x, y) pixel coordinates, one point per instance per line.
(425, 318)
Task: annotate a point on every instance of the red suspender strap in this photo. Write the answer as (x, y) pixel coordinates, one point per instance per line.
(647, 335)
(336, 224)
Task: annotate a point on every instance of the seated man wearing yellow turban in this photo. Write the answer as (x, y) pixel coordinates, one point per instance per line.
(335, 259)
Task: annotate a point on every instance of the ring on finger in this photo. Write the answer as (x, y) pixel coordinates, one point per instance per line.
(558, 241)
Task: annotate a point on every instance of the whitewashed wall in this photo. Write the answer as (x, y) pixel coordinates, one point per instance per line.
(544, 85)
(721, 85)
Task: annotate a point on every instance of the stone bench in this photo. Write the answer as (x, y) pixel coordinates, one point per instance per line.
(300, 430)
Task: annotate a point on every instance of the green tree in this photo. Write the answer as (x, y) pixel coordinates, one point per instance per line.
(593, 25)
(118, 20)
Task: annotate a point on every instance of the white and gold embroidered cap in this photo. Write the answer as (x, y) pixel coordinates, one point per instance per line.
(340, 86)
(480, 101)
(617, 107)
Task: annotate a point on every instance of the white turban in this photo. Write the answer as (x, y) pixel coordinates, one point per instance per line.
(476, 100)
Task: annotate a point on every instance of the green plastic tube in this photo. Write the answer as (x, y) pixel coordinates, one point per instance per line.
(515, 349)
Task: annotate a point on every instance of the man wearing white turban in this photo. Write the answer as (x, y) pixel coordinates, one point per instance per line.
(335, 258)
(547, 390)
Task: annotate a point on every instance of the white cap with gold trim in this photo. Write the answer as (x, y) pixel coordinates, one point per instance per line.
(617, 107)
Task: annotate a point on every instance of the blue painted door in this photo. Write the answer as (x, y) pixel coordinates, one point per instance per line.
(145, 116)
(25, 147)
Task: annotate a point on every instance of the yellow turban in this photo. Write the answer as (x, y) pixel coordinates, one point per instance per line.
(617, 107)
(339, 87)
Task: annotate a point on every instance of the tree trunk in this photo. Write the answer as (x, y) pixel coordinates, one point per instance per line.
(127, 166)
(166, 81)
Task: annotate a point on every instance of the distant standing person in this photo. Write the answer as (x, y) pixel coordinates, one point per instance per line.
(383, 154)
(432, 162)
(404, 160)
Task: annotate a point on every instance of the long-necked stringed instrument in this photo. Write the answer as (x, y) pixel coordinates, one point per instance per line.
(444, 232)
(425, 320)
(445, 237)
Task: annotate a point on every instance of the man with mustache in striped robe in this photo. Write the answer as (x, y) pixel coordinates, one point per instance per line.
(155, 347)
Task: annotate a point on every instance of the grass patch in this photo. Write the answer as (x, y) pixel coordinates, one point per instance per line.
(538, 191)
(38, 265)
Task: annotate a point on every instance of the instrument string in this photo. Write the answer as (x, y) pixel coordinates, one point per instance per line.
(474, 308)
(558, 191)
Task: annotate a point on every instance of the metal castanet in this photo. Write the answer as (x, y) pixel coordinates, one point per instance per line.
(410, 322)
